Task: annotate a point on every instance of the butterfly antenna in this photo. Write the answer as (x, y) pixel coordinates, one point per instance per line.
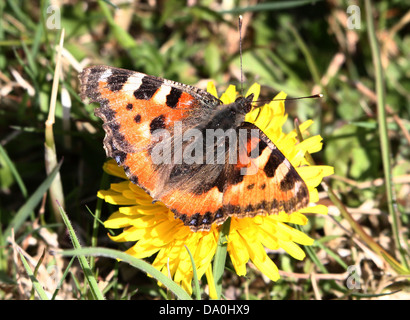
(240, 50)
(319, 95)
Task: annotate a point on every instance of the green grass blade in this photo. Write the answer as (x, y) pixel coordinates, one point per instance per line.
(332, 254)
(60, 283)
(384, 138)
(50, 152)
(40, 261)
(310, 250)
(97, 215)
(37, 286)
(14, 171)
(122, 36)
(197, 291)
(220, 257)
(20, 14)
(362, 233)
(95, 290)
(310, 61)
(30, 59)
(31, 203)
(277, 5)
(312, 255)
(137, 263)
(368, 295)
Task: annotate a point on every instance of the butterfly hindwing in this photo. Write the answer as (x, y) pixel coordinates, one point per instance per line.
(267, 184)
(272, 184)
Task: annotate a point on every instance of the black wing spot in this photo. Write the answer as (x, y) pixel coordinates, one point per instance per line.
(137, 118)
(173, 97)
(116, 80)
(157, 123)
(275, 159)
(134, 179)
(147, 88)
(288, 181)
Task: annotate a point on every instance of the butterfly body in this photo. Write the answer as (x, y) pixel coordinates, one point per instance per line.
(188, 150)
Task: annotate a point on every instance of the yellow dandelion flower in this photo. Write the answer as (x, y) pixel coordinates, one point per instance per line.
(154, 229)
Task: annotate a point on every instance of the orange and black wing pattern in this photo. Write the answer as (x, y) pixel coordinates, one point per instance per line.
(132, 106)
(266, 184)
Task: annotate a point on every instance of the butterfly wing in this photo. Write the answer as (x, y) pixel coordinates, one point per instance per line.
(268, 184)
(133, 105)
(265, 184)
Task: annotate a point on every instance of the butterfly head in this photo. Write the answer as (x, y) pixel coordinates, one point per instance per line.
(244, 104)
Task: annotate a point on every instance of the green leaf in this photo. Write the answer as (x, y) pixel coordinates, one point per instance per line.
(137, 263)
(212, 59)
(31, 203)
(270, 5)
(95, 290)
(37, 286)
(220, 257)
(8, 171)
(195, 280)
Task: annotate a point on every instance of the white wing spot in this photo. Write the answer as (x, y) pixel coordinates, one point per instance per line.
(132, 84)
(160, 96)
(107, 73)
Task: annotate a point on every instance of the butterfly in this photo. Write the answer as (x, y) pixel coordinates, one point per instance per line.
(160, 132)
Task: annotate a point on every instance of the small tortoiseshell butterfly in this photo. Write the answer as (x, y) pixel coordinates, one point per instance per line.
(135, 105)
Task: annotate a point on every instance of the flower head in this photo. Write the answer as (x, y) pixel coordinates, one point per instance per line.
(155, 231)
